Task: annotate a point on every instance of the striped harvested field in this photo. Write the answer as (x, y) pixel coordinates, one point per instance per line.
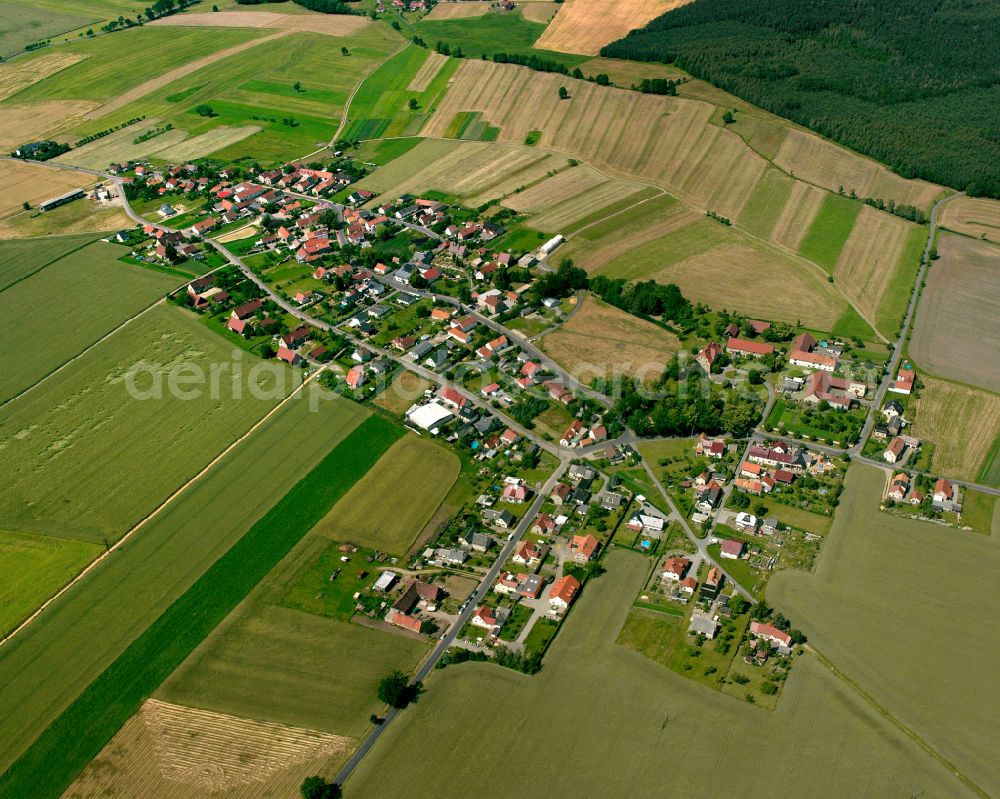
(813, 159)
(873, 264)
(25, 181)
(538, 10)
(178, 752)
(974, 216)
(767, 203)
(462, 9)
(206, 143)
(585, 26)
(428, 70)
(120, 146)
(955, 334)
(961, 422)
(798, 215)
(330, 24)
(28, 121)
(23, 72)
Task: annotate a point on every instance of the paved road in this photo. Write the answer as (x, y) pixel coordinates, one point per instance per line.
(449, 638)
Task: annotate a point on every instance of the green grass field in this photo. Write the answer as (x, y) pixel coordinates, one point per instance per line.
(829, 230)
(21, 258)
(978, 511)
(851, 324)
(874, 568)
(390, 507)
(65, 307)
(765, 205)
(50, 663)
(82, 729)
(32, 568)
(82, 435)
(23, 24)
(644, 711)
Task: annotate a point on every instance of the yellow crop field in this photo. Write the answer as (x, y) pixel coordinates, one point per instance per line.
(22, 73)
(178, 752)
(955, 334)
(962, 423)
(872, 259)
(463, 9)
(24, 181)
(330, 24)
(585, 26)
(27, 121)
(974, 216)
(538, 10)
(813, 159)
(599, 340)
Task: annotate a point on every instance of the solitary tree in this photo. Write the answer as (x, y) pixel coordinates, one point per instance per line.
(395, 690)
(563, 93)
(412, 103)
(318, 788)
(205, 110)
(344, 51)
(297, 86)
(728, 118)
(26, 205)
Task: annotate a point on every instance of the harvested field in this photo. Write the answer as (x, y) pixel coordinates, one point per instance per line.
(560, 202)
(798, 215)
(769, 198)
(646, 710)
(873, 559)
(22, 73)
(72, 288)
(431, 66)
(463, 9)
(120, 146)
(406, 389)
(600, 340)
(811, 158)
(25, 181)
(32, 568)
(955, 334)
(178, 752)
(28, 121)
(538, 11)
(876, 268)
(239, 234)
(330, 24)
(666, 141)
(962, 422)
(418, 475)
(80, 434)
(585, 26)
(206, 143)
(974, 216)
(76, 217)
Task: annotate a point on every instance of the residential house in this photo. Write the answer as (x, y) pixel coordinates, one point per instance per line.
(713, 584)
(732, 549)
(584, 548)
(770, 634)
(903, 384)
(529, 554)
(563, 592)
(708, 356)
(748, 349)
(703, 625)
(895, 451)
(898, 487)
(675, 568)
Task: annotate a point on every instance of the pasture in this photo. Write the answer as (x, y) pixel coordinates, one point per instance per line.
(46, 666)
(585, 26)
(391, 506)
(19, 259)
(878, 265)
(816, 160)
(32, 568)
(645, 710)
(176, 752)
(873, 560)
(24, 181)
(974, 216)
(85, 295)
(21, 24)
(955, 334)
(963, 424)
(97, 428)
(600, 340)
(96, 715)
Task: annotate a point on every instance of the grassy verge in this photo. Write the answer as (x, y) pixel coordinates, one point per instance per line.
(79, 734)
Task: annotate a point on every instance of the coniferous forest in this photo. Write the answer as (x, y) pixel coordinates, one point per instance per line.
(912, 83)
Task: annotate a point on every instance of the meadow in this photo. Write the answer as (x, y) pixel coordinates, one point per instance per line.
(837, 742)
(389, 509)
(829, 230)
(20, 259)
(32, 568)
(85, 630)
(82, 433)
(21, 25)
(962, 422)
(85, 296)
(873, 568)
(81, 730)
(600, 340)
(486, 34)
(955, 334)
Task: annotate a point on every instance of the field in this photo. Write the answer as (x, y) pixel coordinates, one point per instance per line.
(955, 333)
(626, 73)
(30, 121)
(20, 25)
(428, 70)
(18, 259)
(388, 510)
(74, 217)
(83, 433)
(962, 423)
(27, 182)
(406, 389)
(825, 236)
(46, 666)
(815, 160)
(176, 752)
(70, 290)
(22, 73)
(878, 265)
(485, 34)
(974, 216)
(585, 26)
(645, 710)
(460, 10)
(873, 561)
(476, 171)
(32, 568)
(601, 341)
(979, 512)
(328, 24)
